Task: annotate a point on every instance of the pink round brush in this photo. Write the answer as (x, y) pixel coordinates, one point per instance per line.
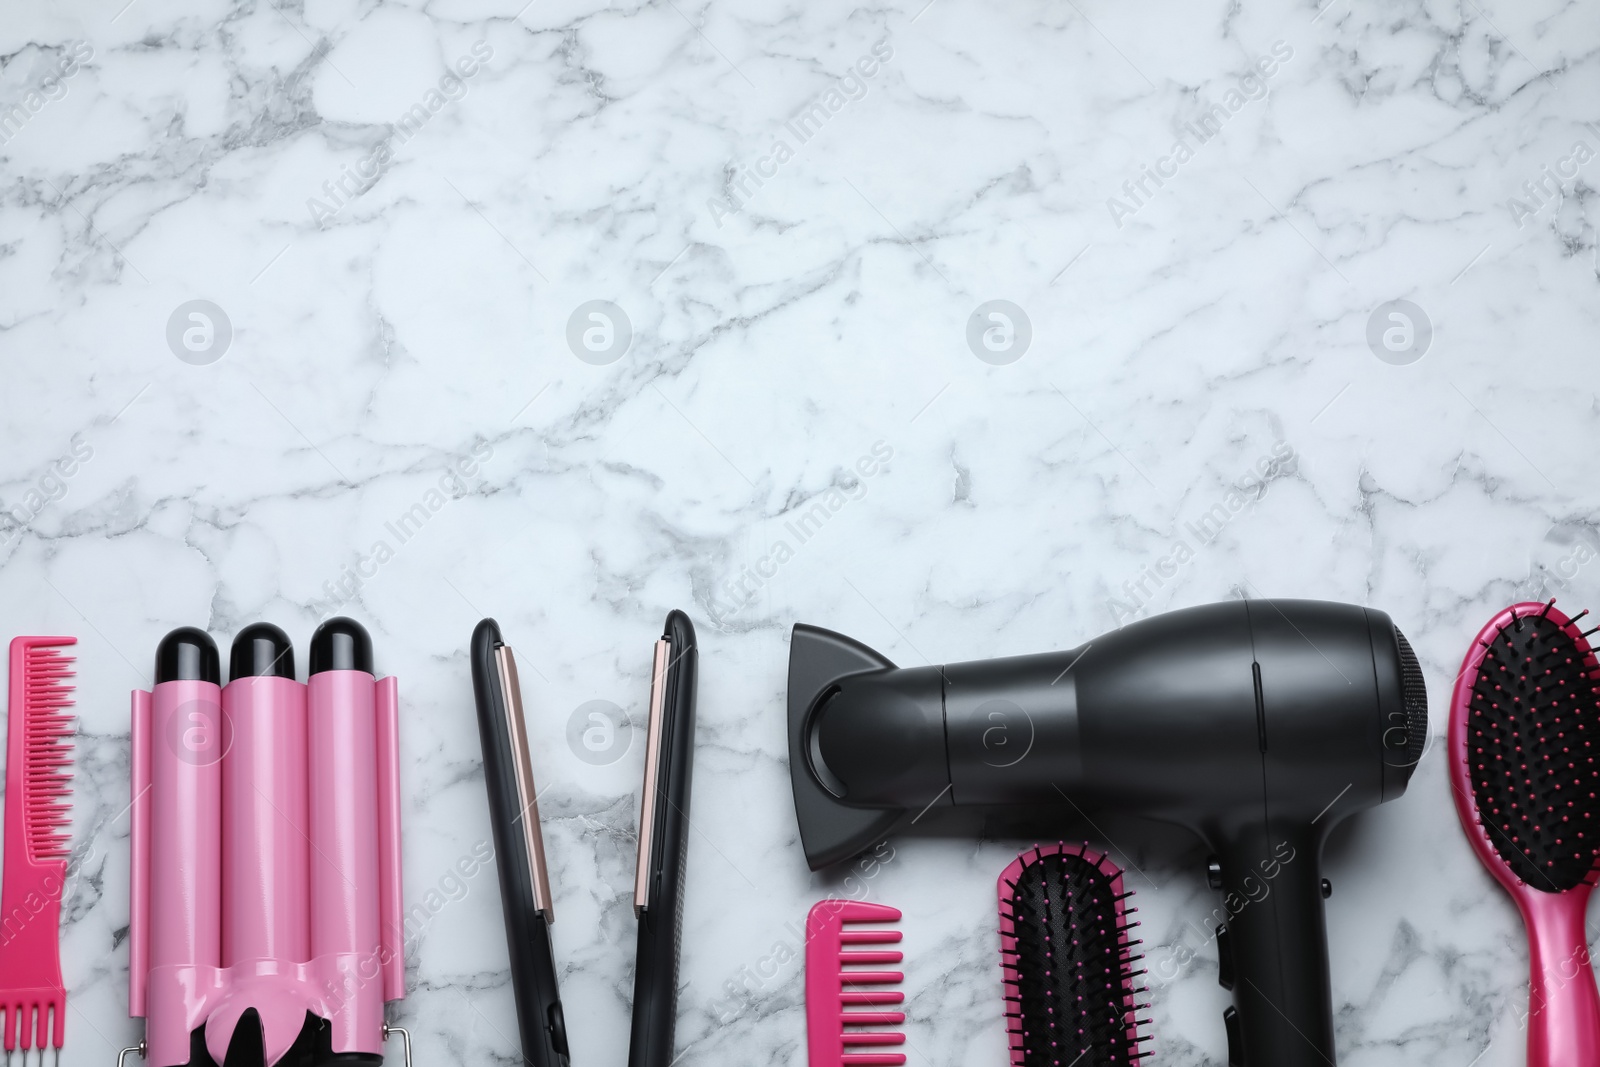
(1524, 728)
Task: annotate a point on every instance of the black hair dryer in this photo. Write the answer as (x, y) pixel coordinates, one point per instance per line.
(1258, 724)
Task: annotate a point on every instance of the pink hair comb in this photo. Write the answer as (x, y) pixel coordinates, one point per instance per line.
(38, 782)
(829, 983)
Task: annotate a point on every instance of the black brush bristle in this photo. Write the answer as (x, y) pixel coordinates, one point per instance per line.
(1070, 978)
(1531, 751)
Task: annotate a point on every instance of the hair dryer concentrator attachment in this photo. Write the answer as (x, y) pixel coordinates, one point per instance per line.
(1258, 724)
(265, 913)
(830, 831)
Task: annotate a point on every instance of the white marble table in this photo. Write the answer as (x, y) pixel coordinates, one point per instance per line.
(398, 215)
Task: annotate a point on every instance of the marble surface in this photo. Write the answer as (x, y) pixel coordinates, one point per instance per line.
(798, 207)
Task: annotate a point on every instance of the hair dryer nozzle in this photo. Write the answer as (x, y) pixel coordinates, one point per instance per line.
(830, 829)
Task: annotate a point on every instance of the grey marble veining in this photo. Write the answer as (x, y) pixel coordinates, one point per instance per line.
(394, 212)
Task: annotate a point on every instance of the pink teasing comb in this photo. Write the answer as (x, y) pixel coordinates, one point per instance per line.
(38, 803)
(828, 983)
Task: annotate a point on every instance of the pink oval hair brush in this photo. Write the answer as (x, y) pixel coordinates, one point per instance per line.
(1524, 722)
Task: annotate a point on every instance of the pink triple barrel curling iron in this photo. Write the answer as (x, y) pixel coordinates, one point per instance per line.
(265, 919)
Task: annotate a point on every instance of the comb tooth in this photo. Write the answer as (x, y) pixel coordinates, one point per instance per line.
(873, 1059)
(852, 1037)
(871, 996)
(870, 977)
(872, 1018)
(41, 684)
(871, 957)
(868, 937)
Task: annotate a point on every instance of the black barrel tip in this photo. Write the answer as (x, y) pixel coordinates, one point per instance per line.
(188, 654)
(341, 644)
(679, 630)
(261, 650)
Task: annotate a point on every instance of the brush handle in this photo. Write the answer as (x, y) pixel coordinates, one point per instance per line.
(1274, 946)
(1563, 1003)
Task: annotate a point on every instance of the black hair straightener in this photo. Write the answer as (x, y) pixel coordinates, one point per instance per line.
(663, 844)
(518, 847)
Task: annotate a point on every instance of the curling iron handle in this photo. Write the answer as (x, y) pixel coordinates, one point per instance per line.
(1277, 942)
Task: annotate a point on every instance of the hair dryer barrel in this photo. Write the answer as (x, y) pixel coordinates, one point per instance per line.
(186, 743)
(1122, 718)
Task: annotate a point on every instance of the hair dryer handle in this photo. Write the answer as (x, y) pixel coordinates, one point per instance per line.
(1273, 948)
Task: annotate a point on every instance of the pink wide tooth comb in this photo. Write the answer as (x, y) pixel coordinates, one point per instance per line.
(832, 978)
(38, 803)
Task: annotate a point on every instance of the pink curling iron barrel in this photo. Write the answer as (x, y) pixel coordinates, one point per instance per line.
(265, 921)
